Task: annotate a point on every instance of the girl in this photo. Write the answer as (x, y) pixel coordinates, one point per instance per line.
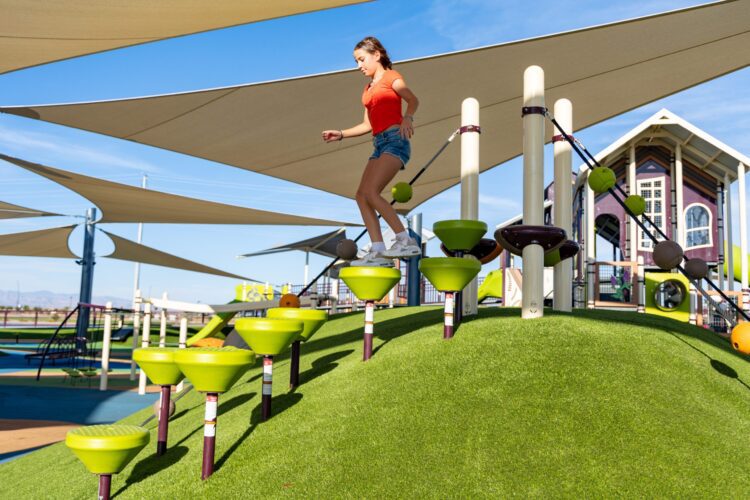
(391, 133)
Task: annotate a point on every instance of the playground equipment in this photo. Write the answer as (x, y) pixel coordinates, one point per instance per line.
(492, 286)
(312, 320)
(485, 251)
(402, 192)
(370, 284)
(159, 365)
(741, 338)
(106, 450)
(451, 274)
(212, 370)
(268, 337)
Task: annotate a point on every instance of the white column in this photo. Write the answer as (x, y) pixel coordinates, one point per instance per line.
(589, 243)
(470, 187)
(163, 324)
(641, 286)
(743, 223)
(673, 205)
(106, 344)
(183, 344)
(136, 330)
(307, 266)
(728, 232)
(145, 340)
(632, 189)
(678, 183)
(562, 212)
(720, 231)
(533, 192)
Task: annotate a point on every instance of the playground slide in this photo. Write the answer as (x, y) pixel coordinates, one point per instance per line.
(214, 326)
(492, 286)
(736, 263)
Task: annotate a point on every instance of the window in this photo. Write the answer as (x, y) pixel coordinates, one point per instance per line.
(652, 190)
(697, 226)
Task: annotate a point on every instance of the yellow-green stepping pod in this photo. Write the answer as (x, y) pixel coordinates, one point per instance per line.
(370, 283)
(106, 449)
(268, 336)
(459, 234)
(213, 369)
(159, 364)
(312, 319)
(449, 273)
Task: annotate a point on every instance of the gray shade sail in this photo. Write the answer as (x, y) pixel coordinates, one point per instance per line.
(41, 243)
(41, 31)
(273, 128)
(325, 245)
(135, 252)
(123, 203)
(11, 211)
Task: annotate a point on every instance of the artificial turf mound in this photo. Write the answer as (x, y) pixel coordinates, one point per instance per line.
(594, 403)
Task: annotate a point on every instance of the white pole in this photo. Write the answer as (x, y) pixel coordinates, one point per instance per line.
(145, 340)
(641, 286)
(562, 212)
(590, 244)
(163, 324)
(720, 231)
(335, 296)
(632, 189)
(743, 224)
(728, 228)
(136, 330)
(307, 266)
(183, 343)
(470, 187)
(678, 186)
(533, 192)
(106, 341)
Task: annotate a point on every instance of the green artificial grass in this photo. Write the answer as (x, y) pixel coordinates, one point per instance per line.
(594, 403)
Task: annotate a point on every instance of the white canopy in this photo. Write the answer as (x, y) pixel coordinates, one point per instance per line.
(41, 31)
(274, 127)
(41, 243)
(123, 203)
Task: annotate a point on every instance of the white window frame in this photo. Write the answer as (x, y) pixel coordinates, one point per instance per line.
(663, 213)
(702, 228)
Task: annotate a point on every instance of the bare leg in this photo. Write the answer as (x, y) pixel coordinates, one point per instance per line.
(369, 216)
(378, 174)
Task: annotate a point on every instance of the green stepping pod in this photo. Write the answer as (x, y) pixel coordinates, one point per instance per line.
(459, 234)
(370, 283)
(268, 336)
(449, 274)
(158, 363)
(106, 449)
(312, 319)
(214, 369)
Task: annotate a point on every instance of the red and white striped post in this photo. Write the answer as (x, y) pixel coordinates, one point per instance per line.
(161, 443)
(267, 391)
(448, 316)
(105, 485)
(209, 434)
(369, 321)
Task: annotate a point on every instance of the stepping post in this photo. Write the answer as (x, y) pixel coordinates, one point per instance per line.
(209, 434)
(369, 327)
(294, 365)
(312, 319)
(161, 443)
(267, 388)
(448, 316)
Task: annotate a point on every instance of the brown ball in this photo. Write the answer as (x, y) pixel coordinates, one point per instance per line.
(157, 407)
(667, 255)
(346, 249)
(289, 300)
(696, 269)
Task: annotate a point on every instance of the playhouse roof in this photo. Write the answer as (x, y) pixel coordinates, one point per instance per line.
(667, 129)
(274, 128)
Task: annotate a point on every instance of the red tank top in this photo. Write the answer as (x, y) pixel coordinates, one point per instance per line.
(383, 103)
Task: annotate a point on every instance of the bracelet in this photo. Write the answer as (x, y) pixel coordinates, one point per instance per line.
(341, 135)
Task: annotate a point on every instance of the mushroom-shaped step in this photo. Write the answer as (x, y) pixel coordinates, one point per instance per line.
(214, 369)
(106, 449)
(158, 363)
(370, 283)
(312, 319)
(449, 274)
(459, 234)
(268, 336)
(485, 251)
(565, 251)
(516, 238)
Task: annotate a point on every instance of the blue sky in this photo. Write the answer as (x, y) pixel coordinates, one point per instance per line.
(282, 48)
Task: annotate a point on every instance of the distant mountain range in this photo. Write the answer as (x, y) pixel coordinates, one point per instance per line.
(50, 300)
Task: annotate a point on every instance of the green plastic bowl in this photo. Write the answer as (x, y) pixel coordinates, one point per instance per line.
(158, 363)
(213, 369)
(370, 283)
(449, 274)
(313, 319)
(460, 234)
(106, 449)
(269, 336)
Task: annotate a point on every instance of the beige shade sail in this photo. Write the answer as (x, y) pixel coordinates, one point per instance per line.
(41, 243)
(123, 203)
(274, 128)
(41, 31)
(135, 252)
(10, 211)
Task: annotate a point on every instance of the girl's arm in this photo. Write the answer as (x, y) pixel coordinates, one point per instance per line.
(355, 131)
(412, 103)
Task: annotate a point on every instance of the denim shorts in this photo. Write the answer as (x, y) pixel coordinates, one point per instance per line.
(390, 141)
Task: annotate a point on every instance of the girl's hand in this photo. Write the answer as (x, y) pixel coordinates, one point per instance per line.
(407, 127)
(332, 135)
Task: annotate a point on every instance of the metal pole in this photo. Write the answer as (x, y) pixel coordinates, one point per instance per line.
(414, 276)
(563, 216)
(209, 434)
(87, 280)
(469, 187)
(369, 329)
(145, 341)
(106, 341)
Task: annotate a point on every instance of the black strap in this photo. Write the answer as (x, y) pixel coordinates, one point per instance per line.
(533, 110)
(470, 128)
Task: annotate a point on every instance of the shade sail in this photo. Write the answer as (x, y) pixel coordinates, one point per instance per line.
(10, 211)
(324, 244)
(135, 252)
(33, 33)
(42, 243)
(273, 128)
(123, 203)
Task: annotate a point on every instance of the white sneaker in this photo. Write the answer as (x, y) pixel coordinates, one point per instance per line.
(403, 249)
(372, 259)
